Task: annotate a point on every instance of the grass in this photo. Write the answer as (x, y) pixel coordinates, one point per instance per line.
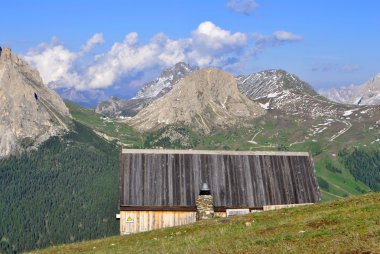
(340, 183)
(119, 131)
(350, 225)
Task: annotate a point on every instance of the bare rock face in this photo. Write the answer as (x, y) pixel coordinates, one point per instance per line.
(30, 113)
(205, 99)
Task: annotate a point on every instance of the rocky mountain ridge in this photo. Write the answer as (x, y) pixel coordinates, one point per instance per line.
(278, 89)
(364, 94)
(30, 113)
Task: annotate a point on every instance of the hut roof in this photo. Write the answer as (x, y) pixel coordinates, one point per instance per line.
(171, 179)
(221, 152)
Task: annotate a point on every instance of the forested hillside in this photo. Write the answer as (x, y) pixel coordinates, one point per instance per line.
(364, 165)
(66, 191)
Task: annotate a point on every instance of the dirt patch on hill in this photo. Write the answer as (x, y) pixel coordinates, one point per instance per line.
(321, 223)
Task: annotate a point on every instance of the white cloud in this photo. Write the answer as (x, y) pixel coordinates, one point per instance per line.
(96, 39)
(213, 46)
(242, 6)
(129, 57)
(207, 45)
(287, 36)
(276, 39)
(54, 62)
(215, 38)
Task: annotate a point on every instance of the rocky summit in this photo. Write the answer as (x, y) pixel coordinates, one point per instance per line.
(205, 99)
(30, 113)
(278, 89)
(285, 92)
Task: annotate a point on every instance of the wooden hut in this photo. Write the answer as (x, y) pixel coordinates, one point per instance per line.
(158, 188)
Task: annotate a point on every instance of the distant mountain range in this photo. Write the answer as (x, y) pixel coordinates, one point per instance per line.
(364, 94)
(293, 115)
(204, 100)
(87, 98)
(272, 89)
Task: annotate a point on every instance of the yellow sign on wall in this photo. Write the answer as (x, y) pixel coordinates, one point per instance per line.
(130, 220)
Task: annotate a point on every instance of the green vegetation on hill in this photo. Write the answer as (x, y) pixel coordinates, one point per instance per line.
(364, 165)
(103, 125)
(349, 225)
(64, 192)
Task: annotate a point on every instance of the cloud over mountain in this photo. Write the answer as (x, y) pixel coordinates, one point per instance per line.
(93, 41)
(207, 45)
(54, 62)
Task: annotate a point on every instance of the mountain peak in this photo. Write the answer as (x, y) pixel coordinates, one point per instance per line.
(207, 98)
(270, 82)
(6, 52)
(286, 92)
(30, 113)
(164, 82)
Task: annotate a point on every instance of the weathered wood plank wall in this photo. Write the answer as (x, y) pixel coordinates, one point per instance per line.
(141, 221)
(236, 179)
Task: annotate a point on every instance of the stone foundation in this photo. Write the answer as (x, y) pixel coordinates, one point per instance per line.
(205, 207)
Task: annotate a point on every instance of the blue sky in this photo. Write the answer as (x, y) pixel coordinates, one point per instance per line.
(118, 45)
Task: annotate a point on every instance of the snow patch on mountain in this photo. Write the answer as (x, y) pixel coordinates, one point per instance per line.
(348, 112)
(164, 82)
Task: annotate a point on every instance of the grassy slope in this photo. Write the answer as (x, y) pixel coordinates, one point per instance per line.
(350, 225)
(121, 131)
